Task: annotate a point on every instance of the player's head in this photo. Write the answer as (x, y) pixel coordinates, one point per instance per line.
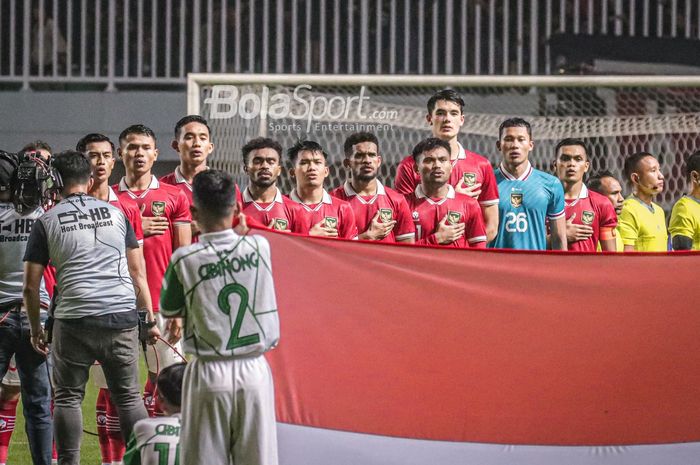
(605, 183)
(169, 386)
(137, 149)
(213, 200)
(515, 141)
(643, 171)
(309, 167)
(42, 149)
(262, 159)
(74, 168)
(362, 156)
(445, 114)
(192, 140)
(692, 170)
(100, 151)
(571, 161)
(8, 165)
(432, 161)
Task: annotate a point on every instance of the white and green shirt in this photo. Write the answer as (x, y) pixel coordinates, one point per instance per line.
(154, 441)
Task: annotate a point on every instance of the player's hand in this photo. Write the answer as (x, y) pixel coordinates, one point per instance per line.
(38, 340)
(448, 233)
(272, 227)
(378, 230)
(153, 225)
(577, 232)
(153, 334)
(173, 330)
(320, 229)
(242, 227)
(472, 191)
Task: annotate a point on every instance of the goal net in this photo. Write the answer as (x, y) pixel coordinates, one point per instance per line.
(616, 116)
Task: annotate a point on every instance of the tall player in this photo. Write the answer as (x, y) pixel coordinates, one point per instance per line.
(590, 217)
(228, 413)
(262, 199)
(684, 225)
(325, 215)
(166, 226)
(380, 212)
(528, 197)
(471, 173)
(441, 215)
(642, 223)
(605, 183)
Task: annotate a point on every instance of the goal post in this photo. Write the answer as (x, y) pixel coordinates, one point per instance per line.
(615, 115)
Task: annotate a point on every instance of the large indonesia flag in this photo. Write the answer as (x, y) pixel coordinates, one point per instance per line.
(406, 355)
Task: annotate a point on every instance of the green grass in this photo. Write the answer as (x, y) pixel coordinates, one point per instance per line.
(89, 450)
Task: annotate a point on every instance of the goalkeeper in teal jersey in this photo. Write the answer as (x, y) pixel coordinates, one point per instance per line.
(528, 197)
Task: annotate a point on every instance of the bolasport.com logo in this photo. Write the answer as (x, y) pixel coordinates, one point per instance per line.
(318, 112)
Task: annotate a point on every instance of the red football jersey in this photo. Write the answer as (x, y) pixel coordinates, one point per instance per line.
(469, 167)
(158, 200)
(131, 211)
(176, 179)
(286, 214)
(591, 209)
(391, 205)
(337, 213)
(459, 208)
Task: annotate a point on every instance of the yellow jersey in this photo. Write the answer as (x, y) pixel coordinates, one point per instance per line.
(685, 220)
(643, 226)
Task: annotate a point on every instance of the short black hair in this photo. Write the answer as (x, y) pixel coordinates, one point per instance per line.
(260, 143)
(74, 167)
(36, 145)
(446, 94)
(632, 163)
(91, 138)
(570, 141)
(595, 183)
(190, 119)
(357, 138)
(137, 129)
(692, 164)
(428, 145)
(169, 383)
(304, 145)
(514, 123)
(214, 192)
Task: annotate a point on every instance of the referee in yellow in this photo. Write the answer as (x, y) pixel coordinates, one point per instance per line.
(685, 216)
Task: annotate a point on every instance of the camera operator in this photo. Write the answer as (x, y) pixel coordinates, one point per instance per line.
(14, 325)
(95, 252)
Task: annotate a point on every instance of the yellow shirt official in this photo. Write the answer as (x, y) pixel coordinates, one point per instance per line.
(641, 227)
(685, 220)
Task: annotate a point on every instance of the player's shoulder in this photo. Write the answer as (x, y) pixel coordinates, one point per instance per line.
(545, 178)
(686, 204)
(394, 195)
(478, 159)
(467, 200)
(407, 161)
(599, 200)
(171, 189)
(168, 179)
(338, 193)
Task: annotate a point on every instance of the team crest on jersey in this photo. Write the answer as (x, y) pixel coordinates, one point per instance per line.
(386, 215)
(469, 179)
(331, 222)
(453, 217)
(158, 208)
(516, 199)
(587, 217)
(280, 224)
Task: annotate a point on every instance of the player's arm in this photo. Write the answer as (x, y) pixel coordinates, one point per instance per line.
(607, 239)
(172, 294)
(629, 230)
(132, 455)
(557, 230)
(682, 242)
(681, 227)
(557, 216)
(36, 257)
(182, 231)
(490, 216)
(405, 230)
(137, 271)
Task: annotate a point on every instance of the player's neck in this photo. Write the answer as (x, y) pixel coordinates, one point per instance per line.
(74, 189)
(435, 191)
(216, 225)
(572, 190)
(365, 188)
(189, 171)
(100, 191)
(696, 192)
(310, 194)
(262, 194)
(455, 148)
(138, 182)
(646, 198)
(516, 170)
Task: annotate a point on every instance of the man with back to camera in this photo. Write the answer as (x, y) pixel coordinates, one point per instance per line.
(31, 370)
(605, 183)
(642, 223)
(528, 197)
(590, 217)
(441, 215)
(102, 284)
(381, 213)
(684, 225)
(472, 173)
(231, 317)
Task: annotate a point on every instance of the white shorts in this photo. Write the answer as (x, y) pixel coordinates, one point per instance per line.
(165, 355)
(11, 377)
(228, 412)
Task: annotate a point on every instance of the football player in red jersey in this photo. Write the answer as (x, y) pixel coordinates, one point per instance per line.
(471, 173)
(441, 215)
(590, 217)
(381, 213)
(324, 215)
(166, 220)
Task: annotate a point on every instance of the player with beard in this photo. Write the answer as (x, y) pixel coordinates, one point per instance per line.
(605, 183)
(381, 213)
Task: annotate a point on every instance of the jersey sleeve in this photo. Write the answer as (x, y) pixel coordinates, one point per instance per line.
(404, 229)
(682, 222)
(132, 456)
(474, 229)
(489, 187)
(181, 214)
(348, 226)
(130, 240)
(172, 294)
(555, 209)
(37, 250)
(628, 226)
(608, 218)
(405, 181)
(133, 215)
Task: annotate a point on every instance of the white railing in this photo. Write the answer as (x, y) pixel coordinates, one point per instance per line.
(146, 42)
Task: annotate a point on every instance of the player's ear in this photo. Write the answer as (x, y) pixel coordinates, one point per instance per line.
(155, 153)
(346, 162)
(498, 145)
(588, 166)
(174, 145)
(635, 178)
(429, 119)
(119, 153)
